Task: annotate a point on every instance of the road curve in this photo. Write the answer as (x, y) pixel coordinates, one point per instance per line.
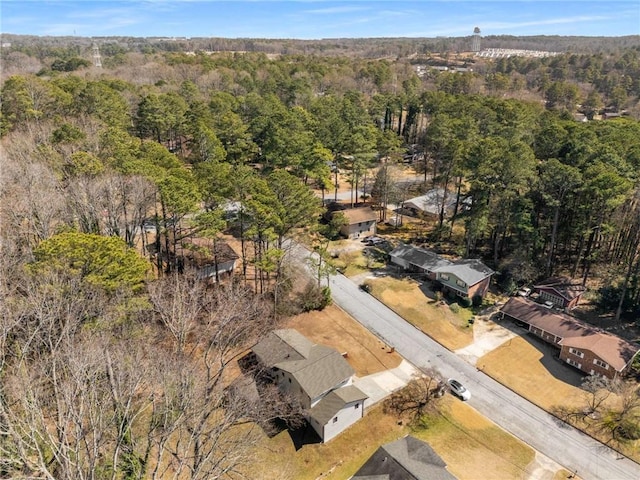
(566, 445)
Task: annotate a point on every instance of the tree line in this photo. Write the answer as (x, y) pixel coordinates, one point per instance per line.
(92, 159)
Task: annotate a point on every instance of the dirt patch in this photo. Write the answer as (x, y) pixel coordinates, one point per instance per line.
(333, 327)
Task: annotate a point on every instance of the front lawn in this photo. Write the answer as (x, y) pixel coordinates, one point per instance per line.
(435, 318)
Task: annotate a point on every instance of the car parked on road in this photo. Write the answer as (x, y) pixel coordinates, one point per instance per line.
(458, 389)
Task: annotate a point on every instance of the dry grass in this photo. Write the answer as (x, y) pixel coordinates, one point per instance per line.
(547, 383)
(466, 441)
(436, 320)
(366, 353)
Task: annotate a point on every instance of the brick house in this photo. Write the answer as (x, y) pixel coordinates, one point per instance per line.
(465, 278)
(589, 349)
(318, 375)
(561, 291)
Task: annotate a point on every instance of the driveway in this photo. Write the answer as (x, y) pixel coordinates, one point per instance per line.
(382, 384)
(566, 445)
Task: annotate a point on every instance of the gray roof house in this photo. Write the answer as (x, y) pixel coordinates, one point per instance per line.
(318, 375)
(466, 278)
(417, 259)
(431, 203)
(405, 459)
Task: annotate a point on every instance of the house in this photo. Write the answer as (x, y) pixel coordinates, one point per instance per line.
(318, 375)
(405, 459)
(582, 346)
(560, 291)
(465, 278)
(360, 222)
(211, 260)
(415, 259)
(430, 204)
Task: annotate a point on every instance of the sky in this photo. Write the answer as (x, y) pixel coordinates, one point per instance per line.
(315, 19)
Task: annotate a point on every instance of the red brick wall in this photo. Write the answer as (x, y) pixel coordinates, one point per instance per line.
(587, 362)
(480, 288)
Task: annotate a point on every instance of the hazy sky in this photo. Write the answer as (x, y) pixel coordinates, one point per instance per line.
(308, 19)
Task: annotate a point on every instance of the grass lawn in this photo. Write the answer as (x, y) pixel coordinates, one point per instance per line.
(435, 319)
(465, 440)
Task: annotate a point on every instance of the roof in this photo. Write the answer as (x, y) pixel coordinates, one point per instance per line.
(425, 259)
(203, 251)
(470, 271)
(431, 201)
(335, 401)
(614, 350)
(405, 459)
(316, 368)
(358, 215)
(563, 286)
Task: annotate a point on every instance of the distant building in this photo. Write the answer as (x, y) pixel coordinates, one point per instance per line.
(475, 40)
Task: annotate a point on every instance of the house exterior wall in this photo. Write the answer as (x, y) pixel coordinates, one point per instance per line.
(224, 269)
(552, 296)
(587, 361)
(347, 416)
(290, 385)
(452, 282)
(481, 288)
(356, 230)
(544, 335)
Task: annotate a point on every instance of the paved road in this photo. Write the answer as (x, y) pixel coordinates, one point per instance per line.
(566, 445)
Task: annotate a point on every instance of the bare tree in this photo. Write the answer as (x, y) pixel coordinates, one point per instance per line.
(418, 398)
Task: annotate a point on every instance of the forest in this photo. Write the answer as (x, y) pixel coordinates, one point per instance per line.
(115, 362)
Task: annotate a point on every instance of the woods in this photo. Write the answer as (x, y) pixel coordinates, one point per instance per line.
(116, 362)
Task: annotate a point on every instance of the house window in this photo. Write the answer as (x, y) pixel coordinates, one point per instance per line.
(444, 276)
(289, 380)
(601, 364)
(335, 419)
(356, 406)
(575, 352)
(460, 283)
(574, 363)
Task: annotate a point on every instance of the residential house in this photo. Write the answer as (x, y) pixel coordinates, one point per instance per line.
(582, 346)
(318, 375)
(430, 204)
(561, 291)
(465, 278)
(360, 222)
(211, 260)
(405, 459)
(415, 259)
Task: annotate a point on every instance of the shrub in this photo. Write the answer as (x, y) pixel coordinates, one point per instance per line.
(454, 307)
(476, 300)
(315, 297)
(464, 302)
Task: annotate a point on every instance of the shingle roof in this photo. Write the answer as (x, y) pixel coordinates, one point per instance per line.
(614, 350)
(316, 368)
(563, 286)
(425, 259)
(405, 459)
(470, 271)
(357, 215)
(332, 403)
(431, 201)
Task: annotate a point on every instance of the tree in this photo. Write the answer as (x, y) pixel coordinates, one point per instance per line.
(106, 262)
(418, 398)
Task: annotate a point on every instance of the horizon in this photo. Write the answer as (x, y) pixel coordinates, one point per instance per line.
(318, 19)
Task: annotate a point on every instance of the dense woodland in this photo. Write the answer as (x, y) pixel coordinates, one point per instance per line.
(115, 362)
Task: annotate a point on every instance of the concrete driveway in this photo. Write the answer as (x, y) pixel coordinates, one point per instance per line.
(380, 385)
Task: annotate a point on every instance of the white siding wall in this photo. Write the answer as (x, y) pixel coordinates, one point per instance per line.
(345, 417)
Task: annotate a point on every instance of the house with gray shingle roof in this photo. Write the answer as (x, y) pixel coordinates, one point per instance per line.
(466, 278)
(405, 459)
(415, 259)
(318, 375)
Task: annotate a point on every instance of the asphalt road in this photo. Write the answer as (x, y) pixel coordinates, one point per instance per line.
(569, 447)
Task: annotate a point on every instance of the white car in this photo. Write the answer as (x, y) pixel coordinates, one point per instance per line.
(458, 389)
